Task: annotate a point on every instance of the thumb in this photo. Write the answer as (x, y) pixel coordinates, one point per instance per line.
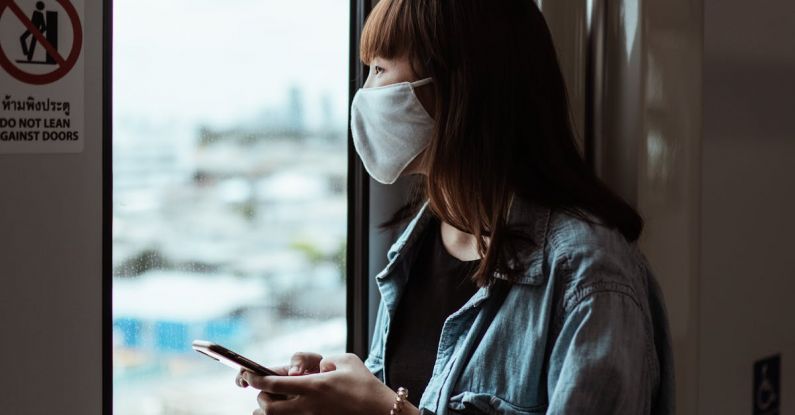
(327, 365)
(302, 363)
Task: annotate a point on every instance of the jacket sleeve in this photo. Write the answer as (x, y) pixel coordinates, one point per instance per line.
(600, 362)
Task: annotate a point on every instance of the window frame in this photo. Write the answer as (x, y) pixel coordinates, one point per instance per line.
(358, 246)
(107, 207)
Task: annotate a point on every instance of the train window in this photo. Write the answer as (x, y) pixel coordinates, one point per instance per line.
(230, 199)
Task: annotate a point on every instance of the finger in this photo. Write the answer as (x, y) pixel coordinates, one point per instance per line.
(281, 370)
(327, 365)
(303, 362)
(271, 406)
(339, 361)
(287, 385)
(239, 381)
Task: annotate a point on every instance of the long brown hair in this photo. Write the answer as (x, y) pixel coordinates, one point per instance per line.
(503, 125)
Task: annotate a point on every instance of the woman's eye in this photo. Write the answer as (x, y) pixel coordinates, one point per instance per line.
(378, 69)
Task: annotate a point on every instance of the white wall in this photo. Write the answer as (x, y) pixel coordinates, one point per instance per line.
(748, 200)
(50, 265)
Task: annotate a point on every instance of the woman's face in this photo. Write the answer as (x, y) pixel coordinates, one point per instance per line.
(391, 71)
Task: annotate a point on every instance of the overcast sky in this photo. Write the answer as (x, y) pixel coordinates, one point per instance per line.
(224, 62)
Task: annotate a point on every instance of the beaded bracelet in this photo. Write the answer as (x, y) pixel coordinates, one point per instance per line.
(400, 399)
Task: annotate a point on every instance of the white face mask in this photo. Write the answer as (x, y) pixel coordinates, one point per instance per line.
(390, 128)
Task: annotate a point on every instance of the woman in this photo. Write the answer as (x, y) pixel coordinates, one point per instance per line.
(517, 287)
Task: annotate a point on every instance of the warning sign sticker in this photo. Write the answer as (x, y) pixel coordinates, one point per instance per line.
(41, 76)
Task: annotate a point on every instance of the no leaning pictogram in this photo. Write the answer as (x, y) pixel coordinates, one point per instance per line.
(42, 75)
(40, 29)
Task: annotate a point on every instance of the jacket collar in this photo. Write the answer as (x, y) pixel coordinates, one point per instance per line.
(529, 217)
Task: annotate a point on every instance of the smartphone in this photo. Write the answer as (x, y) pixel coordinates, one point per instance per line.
(230, 358)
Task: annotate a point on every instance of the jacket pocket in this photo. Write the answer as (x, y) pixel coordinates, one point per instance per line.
(470, 403)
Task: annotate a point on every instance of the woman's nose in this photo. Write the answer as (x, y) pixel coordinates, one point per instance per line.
(367, 82)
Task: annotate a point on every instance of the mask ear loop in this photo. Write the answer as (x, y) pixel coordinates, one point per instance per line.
(421, 82)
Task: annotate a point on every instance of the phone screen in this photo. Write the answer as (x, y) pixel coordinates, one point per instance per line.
(230, 358)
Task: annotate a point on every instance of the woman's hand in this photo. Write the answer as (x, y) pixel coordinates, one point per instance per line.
(300, 364)
(342, 386)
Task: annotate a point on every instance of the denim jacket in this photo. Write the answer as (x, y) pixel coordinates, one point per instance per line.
(583, 331)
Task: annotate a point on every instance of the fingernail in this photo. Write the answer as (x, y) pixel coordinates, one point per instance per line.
(294, 370)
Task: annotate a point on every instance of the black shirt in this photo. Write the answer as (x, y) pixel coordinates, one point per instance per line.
(439, 284)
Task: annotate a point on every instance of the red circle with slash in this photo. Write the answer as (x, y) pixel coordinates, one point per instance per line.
(64, 65)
